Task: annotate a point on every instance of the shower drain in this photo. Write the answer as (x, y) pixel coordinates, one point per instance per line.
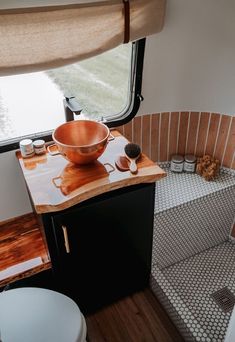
(225, 299)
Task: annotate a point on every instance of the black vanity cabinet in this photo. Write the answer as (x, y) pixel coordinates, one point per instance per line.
(101, 248)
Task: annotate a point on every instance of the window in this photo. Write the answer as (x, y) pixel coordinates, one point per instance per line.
(100, 83)
(105, 86)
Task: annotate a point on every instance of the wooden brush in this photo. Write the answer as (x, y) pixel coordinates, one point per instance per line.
(132, 152)
(122, 163)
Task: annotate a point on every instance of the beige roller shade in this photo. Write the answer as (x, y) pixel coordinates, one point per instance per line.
(36, 39)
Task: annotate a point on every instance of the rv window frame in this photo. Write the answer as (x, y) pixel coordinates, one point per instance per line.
(135, 98)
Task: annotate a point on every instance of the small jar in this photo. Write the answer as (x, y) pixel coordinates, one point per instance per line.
(189, 163)
(26, 148)
(39, 146)
(177, 163)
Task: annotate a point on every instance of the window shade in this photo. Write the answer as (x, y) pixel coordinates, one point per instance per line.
(34, 39)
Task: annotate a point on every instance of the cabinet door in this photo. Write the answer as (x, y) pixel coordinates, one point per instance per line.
(104, 246)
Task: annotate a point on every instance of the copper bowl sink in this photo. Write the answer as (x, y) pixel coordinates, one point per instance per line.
(81, 141)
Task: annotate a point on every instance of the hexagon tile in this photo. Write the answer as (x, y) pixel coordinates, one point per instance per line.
(185, 290)
(191, 215)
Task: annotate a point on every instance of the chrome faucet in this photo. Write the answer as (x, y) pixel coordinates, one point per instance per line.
(71, 107)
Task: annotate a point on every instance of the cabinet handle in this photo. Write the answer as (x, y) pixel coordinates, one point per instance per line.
(66, 240)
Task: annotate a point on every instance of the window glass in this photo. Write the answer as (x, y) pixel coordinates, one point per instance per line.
(33, 103)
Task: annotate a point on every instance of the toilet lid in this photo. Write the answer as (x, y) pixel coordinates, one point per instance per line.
(39, 315)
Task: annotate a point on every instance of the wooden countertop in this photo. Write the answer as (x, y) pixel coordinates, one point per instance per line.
(74, 184)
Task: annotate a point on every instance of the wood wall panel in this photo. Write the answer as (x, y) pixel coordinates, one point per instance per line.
(128, 130)
(173, 135)
(229, 152)
(161, 135)
(192, 132)
(164, 124)
(222, 136)
(202, 133)
(120, 129)
(212, 133)
(137, 131)
(183, 129)
(154, 134)
(146, 134)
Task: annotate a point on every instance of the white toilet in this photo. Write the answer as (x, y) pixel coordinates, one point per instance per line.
(35, 314)
(230, 334)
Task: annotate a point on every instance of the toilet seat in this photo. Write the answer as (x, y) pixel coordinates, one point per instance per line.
(40, 315)
(230, 334)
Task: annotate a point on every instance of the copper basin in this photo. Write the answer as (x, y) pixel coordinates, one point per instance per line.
(81, 141)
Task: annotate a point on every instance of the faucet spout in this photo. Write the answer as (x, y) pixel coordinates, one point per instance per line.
(71, 107)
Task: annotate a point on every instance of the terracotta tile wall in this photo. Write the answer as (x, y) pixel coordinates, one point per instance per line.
(162, 134)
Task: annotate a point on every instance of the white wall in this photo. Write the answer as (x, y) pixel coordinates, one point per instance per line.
(14, 200)
(190, 65)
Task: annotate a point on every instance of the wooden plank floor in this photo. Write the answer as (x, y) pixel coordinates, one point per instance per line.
(139, 318)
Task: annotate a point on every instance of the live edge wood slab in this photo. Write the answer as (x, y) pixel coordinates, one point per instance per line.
(55, 184)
